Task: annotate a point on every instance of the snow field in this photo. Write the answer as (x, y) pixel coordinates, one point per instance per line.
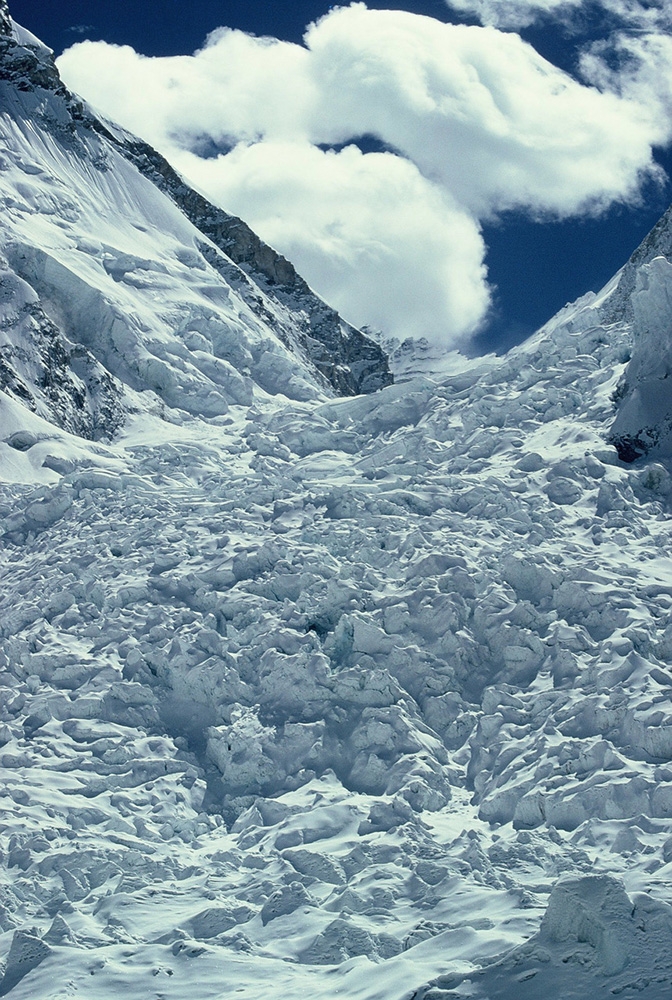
(363, 697)
(416, 679)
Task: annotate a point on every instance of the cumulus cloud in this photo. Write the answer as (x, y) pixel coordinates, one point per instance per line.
(390, 249)
(474, 122)
(478, 110)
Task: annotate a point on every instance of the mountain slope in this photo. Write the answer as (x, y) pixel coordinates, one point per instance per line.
(643, 425)
(351, 697)
(126, 291)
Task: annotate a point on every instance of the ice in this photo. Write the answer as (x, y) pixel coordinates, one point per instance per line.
(591, 937)
(304, 695)
(25, 954)
(643, 422)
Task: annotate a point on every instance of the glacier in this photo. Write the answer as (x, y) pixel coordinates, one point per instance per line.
(312, 680)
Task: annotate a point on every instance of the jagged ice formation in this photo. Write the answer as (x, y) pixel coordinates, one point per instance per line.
(363, 696)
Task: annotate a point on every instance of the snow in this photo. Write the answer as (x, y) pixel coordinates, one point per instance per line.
(116, 265)
(415, 684)
(359, 698)
(25, 37)
(644, 419)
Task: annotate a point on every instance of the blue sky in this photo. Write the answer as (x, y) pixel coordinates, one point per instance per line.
(539, 252)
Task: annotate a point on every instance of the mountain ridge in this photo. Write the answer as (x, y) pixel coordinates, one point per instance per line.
(338, 356)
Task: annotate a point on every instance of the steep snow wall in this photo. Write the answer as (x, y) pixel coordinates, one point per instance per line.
(644, 422)
(349, 361)
(657, 243)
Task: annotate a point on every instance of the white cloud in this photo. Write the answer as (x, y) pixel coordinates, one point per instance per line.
(643, 74)
(374, 236)
(479, 122)
(478, 110)
(646, 14)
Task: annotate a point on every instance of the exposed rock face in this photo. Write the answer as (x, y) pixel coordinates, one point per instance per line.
(26, 65)
(41, 368)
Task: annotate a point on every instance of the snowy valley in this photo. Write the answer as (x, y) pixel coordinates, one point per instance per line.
(312, 682)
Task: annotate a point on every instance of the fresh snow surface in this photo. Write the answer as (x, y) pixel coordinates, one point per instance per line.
(360, 698)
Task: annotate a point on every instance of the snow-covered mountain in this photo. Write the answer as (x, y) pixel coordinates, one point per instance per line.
(132, 290)
(301, 693)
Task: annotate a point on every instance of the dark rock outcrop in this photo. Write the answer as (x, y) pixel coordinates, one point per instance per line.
(49, 374)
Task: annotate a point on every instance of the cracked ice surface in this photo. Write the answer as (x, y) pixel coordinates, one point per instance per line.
(333, 697)
(359, 698)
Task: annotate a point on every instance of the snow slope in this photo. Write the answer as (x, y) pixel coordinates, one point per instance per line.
(125, 303)
(358, 697)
